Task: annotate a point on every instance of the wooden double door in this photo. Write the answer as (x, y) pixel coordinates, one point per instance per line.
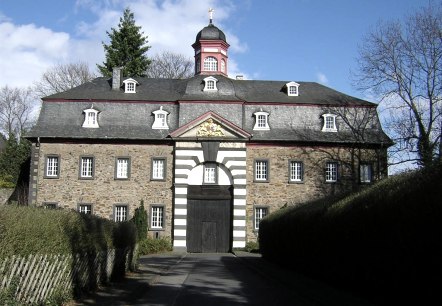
(209, 219)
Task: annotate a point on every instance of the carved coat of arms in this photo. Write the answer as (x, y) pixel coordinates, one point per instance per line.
(209, 129)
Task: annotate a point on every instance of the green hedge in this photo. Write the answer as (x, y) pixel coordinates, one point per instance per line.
(152, 246)
(383, 241)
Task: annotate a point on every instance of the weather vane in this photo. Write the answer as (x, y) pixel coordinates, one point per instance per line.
(211, 14)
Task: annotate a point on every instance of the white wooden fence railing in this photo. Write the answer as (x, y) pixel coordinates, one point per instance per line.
(35, 278)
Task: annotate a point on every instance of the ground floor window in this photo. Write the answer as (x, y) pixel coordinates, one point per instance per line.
(85, 209)
(260, 213)
(50, 205)
(120, 213)
(157, 217)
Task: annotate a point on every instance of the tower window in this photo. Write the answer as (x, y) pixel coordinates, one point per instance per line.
(223, 66)
(210, 64)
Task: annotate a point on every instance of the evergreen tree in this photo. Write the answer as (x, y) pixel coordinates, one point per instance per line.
(127, 48)
(12, 157)
(140, 220)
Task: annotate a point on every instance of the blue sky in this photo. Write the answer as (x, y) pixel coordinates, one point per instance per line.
(299, 40)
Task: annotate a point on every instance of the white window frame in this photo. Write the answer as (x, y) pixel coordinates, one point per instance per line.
(259, 213)
(331, 172)
(210, 64)
(52, 167)
(210, 173)
(90, 118)
(261, 121)
(122, 168)
(87, 165)
(121, 213)
(292, 89)
(85, 209)
(261, 170)
(296, 171)
(210, 84)
(365, 173)
(329, 123)
(130, 85)
(158, 172)
(157, 217)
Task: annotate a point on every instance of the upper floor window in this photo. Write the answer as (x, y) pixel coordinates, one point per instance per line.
(87, 167)
(292, 89)
(130, 85)
(122, 168)
(365, 173)
(158, 168)
(261, 170)
(52, 167)
(210, 84)
(90, 118)
(329, 123)
(296, 171)
(160, 119)
(223, 66)
(210, 64)
(261, 121)
(331, 172)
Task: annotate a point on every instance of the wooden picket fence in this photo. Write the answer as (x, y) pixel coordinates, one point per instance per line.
(35, 278)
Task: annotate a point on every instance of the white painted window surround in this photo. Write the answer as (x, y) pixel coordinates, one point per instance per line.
(329, 123)
(160, 122)
(130, 85)
(90, 118)
(292, 89)
(261, 121)
(210, 84)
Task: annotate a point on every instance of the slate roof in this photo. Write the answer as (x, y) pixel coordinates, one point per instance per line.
(129, 115)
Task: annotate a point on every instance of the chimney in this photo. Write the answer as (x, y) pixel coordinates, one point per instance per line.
(116, 78)
(240, 77)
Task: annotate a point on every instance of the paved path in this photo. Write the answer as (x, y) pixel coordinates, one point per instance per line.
(217, 279)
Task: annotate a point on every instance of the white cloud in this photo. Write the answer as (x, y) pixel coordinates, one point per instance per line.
(322, 78)
(170, 25)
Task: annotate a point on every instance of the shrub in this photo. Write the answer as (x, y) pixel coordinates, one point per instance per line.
(153, 246)
(140, 221)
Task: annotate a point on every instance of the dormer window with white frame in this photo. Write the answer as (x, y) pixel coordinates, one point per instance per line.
(261, 121)
(130, 86)
(160, 122)
(329, 123)
(210, 84)
(292, 89)
(90, 118)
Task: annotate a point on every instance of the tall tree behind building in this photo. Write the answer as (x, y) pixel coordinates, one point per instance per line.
(402, 63)
(127, 48)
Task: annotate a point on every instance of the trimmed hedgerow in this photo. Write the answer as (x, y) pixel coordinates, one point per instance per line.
(381, 241)
(30, 230)
(153, 246)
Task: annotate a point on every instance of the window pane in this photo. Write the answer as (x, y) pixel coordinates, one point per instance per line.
(331, 172)
(296, 171)
(365, 173)
(260, 213)
(85, 209)
(86, 166)
(210, 64)
(122, 168)
(52, 166)
(262, 122)
(261, 170)
(158, 169)
(157, 217)
(210, 174)
(120, 213)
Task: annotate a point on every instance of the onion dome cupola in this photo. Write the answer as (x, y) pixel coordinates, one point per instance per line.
(210, 50)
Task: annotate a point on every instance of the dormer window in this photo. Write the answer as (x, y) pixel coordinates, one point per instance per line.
(292, 89)
(210, 64)
(210, 84)
(90, 118)
(160, 122)
(329, 123)
(261, 121)
(130, 85)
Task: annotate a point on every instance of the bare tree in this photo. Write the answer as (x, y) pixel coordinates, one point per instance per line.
(402, 63)
(169, 65)
(62, 77)
(16, 107)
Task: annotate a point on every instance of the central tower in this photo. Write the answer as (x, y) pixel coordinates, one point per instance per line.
(210, 50)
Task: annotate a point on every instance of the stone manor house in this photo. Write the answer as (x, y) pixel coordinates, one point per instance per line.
(210, 156)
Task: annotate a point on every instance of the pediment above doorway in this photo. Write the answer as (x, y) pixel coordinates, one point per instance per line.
(210, 126)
